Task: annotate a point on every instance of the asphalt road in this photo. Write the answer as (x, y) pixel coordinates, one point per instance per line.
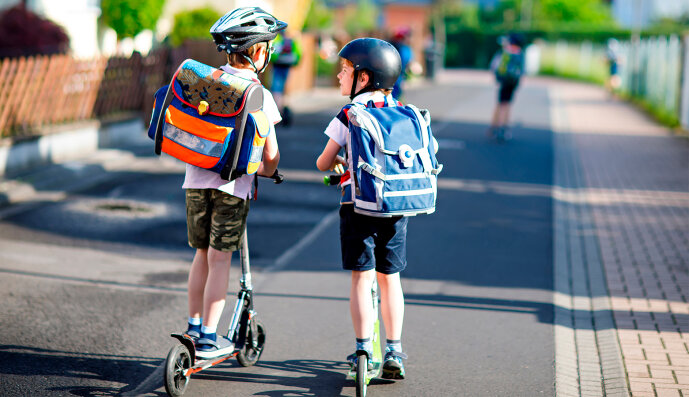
(93, 281)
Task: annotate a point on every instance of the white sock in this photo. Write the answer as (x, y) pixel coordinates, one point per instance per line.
(195, 320)
(208, 330)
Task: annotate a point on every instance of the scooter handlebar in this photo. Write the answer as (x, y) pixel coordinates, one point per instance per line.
(276, 177)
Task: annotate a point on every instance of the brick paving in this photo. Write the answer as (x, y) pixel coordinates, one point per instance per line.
(622, 249)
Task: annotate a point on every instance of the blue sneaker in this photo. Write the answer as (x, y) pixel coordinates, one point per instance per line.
(193, 331)
(208, 347)
(393, 368)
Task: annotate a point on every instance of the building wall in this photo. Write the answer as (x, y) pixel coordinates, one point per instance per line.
(416, 17)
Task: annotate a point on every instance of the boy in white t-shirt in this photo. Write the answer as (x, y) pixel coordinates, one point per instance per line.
(217, 210)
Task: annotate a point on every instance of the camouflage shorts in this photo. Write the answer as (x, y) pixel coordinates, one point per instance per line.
(216, 219)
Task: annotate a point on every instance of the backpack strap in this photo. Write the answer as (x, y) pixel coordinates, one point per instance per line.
(424, 125)
(423, 153)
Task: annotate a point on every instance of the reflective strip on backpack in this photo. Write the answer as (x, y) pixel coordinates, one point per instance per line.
(367, 205)
(418, 192)
(396, 177)
(192, 142)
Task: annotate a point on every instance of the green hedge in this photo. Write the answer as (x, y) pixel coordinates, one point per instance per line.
(474, 48)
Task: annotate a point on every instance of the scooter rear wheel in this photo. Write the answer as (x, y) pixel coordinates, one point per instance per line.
(177, 362)
(250, 354)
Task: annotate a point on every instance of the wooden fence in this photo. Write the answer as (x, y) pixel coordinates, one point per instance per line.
(48, 90)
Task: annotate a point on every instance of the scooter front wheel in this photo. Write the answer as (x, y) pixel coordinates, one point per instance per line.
(253, 345)
(177, 363)
(361, 374)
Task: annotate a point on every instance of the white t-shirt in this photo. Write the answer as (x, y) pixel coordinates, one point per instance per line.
(199, 178)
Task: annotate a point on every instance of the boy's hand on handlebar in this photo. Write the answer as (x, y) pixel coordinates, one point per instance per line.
(276, 177)
(338, 165)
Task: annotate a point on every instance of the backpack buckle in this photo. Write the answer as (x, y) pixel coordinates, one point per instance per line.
(406, 154)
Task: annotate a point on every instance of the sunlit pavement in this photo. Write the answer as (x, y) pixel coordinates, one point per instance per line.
(617, 279)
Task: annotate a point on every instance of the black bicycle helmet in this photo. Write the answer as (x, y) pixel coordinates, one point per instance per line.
(378, 57)
(241, 28)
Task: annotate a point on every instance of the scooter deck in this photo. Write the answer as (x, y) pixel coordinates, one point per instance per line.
(201, 364)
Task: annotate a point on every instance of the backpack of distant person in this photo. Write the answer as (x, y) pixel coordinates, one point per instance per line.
(510, 67)
(286, 52)
(210, 119)
(392, 163)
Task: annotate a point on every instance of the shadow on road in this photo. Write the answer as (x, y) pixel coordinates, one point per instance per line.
(74, 373)
(302, 377)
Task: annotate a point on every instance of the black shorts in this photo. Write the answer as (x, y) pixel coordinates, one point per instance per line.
(507, 92)
(372, 243)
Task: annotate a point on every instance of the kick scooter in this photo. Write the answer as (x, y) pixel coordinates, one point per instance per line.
(366, 367)
(246, 332)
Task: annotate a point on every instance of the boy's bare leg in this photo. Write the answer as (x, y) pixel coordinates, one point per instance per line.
(361, 303)
(495, 121)
(504, 109)
(216, 286)
(392, 304)
(197, 282)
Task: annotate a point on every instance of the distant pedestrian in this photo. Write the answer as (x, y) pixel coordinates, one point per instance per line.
(431, 53)
(287, 54)
(612, 52)
(508, 67)
(400, 40)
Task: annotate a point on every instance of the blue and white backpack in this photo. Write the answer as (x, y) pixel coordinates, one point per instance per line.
(391, 155)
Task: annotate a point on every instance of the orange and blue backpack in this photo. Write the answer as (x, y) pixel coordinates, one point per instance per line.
(210, 119)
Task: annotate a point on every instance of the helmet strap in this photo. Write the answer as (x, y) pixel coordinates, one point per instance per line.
(251, 61)
(355, 77)
(352, 93)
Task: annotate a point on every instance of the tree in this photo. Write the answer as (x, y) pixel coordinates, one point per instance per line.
(363, 19)
(130, 17)
(547, 13)
(319, 18)
(194, 24)
(572, 11)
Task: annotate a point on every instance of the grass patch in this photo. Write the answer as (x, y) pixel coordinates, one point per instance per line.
(663, 116)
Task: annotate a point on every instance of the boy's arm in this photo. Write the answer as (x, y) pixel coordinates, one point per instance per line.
(271, 155)
(329, 160)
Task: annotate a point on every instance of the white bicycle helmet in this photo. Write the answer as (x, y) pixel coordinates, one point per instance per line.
(241, 28)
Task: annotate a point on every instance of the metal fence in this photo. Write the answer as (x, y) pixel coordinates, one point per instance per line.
(651, 69)
(654, 70)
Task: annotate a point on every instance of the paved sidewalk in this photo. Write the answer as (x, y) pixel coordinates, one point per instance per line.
(621, 249)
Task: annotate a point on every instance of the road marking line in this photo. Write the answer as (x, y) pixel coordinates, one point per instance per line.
(309, 238)
(153, 381)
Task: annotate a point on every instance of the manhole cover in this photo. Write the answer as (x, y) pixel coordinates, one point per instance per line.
(126, 207)
(120, 208)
